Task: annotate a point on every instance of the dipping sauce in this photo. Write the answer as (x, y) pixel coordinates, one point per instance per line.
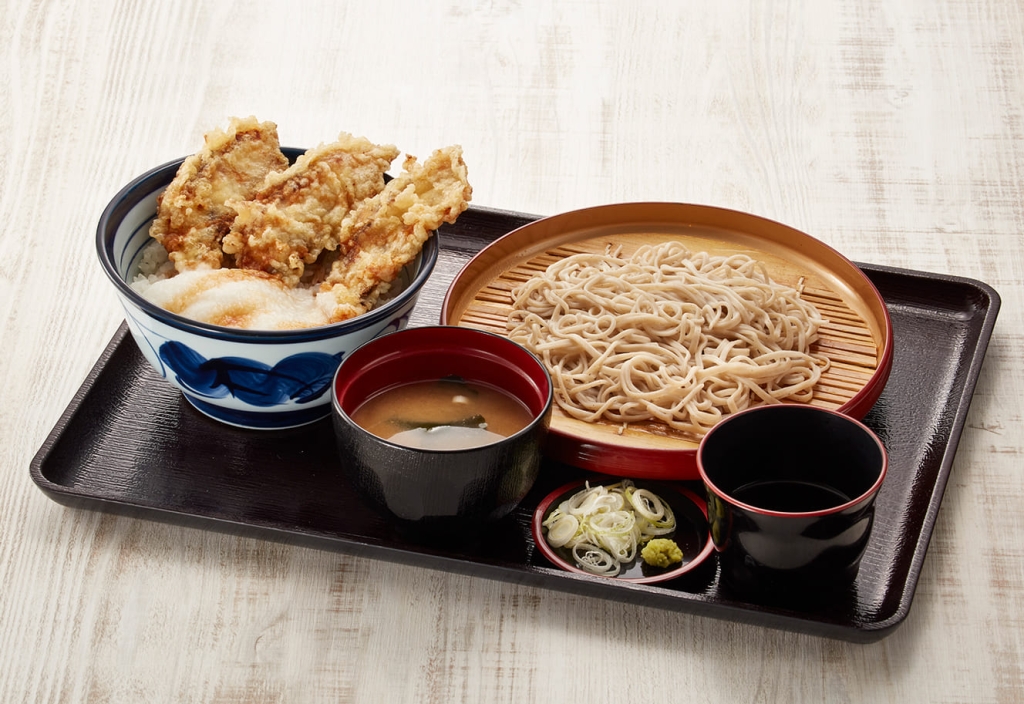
(444, 414)
(790, 496)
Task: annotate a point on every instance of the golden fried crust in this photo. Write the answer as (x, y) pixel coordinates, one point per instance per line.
(297, 213)
(386, 232)
(192, 215)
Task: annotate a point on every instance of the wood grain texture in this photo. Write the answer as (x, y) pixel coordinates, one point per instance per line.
(892, 131)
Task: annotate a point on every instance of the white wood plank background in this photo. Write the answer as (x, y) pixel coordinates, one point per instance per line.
(892, 130)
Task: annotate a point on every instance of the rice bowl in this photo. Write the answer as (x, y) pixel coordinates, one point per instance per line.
(248, 378)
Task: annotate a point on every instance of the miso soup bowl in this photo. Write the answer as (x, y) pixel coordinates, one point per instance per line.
(791, 496)
(248, 378)
(441, 491)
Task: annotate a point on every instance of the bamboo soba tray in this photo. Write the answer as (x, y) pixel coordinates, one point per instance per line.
(856, 337)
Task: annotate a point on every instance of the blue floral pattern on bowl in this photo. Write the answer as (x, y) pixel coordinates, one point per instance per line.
(302, 377)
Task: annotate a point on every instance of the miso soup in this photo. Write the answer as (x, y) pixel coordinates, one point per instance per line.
(444, 414)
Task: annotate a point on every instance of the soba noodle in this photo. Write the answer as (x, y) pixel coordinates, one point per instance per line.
(667, 335)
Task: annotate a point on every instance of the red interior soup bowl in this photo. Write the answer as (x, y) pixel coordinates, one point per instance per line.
(441, 427)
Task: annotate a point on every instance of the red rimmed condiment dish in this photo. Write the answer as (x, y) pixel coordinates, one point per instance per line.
(691, 533)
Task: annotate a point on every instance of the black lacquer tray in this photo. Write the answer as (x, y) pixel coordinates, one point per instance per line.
(128, 443)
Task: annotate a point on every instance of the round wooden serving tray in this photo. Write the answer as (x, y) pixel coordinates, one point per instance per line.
(857, 337)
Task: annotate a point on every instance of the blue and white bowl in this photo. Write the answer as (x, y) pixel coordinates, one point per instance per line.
(247, 378)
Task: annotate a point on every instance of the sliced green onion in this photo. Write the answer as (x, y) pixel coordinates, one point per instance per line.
(562, 530)
(647, 505)
(595, 560)
(604, 526)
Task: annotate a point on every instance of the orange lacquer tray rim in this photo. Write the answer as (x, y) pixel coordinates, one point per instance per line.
(712, 225)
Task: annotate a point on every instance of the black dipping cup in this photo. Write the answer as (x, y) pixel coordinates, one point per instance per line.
(791, 495)
(441, 492)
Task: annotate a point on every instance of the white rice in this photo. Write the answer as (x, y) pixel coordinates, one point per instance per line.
(154, 266)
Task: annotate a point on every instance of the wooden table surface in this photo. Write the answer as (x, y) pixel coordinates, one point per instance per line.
(893, 131)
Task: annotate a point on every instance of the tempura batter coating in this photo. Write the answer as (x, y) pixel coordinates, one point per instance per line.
(192, 215)
(297, 213)
(386, 232)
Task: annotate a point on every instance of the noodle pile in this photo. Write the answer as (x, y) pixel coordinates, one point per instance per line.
(667, 335)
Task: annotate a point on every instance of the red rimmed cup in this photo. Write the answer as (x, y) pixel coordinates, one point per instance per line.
(441, 491)
(791, 495)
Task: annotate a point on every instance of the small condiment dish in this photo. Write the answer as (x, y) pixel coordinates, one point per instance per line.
(691, 532)
(441, 490)
(791, 495)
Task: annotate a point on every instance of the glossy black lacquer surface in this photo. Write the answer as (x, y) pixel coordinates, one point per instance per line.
(785, 520)
(454, 491)
(129, 443)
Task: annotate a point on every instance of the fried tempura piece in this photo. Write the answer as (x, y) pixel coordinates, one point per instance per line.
(192, 217)
(297, 213)
(386, 232)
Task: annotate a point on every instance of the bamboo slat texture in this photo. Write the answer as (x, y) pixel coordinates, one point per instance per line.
(845, 339)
